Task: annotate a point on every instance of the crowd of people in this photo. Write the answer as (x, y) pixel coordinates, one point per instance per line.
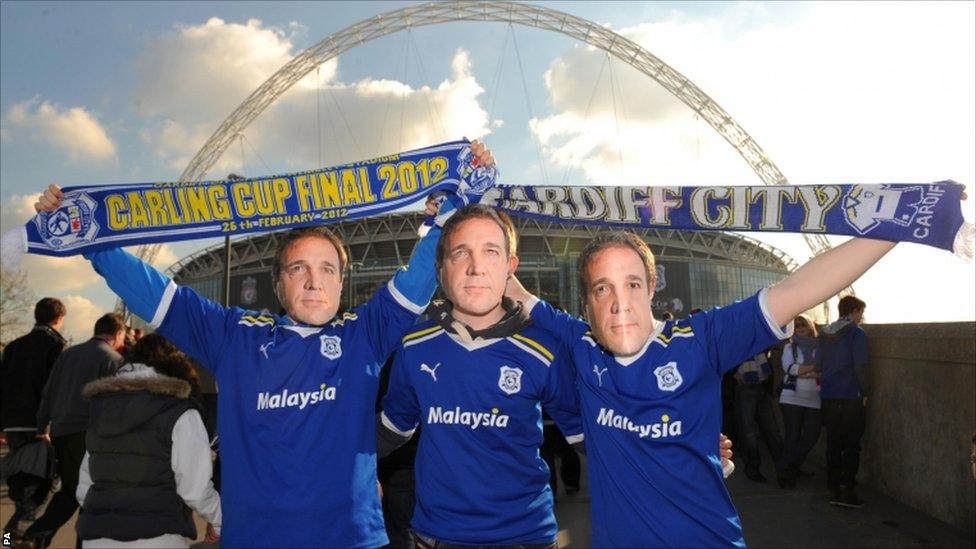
(821, 384)
(103, 417)
(469, 377)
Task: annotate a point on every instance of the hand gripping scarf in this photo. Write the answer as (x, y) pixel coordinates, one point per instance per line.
(106, 216)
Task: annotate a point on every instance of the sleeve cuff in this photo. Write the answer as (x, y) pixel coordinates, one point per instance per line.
(389, 425)
(781, 332)
(573, 439)
(402, 299)
(163, 307)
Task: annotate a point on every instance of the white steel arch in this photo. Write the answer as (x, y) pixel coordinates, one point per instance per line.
(515, 13)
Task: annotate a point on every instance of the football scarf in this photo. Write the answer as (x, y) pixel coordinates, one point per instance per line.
(924, 213)
(106, 216)
(95, 217)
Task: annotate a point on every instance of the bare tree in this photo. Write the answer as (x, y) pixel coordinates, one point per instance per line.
(16, 304)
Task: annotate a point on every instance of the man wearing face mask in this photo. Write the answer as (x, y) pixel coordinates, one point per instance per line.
(297, 392)
(649, 390)
(476, 374)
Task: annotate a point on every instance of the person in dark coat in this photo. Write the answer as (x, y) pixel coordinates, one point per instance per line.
(26, 366)
(64, 411)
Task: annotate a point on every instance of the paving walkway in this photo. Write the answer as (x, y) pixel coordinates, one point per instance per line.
(771, 517)
(800, 517)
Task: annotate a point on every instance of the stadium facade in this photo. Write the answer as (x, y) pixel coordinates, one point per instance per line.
(695, 269)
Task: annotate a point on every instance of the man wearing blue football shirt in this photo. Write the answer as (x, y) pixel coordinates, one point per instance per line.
(476, 374)
(649, 390)
(297, 392)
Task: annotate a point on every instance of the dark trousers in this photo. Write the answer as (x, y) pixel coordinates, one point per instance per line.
(844, 421)
(554, 444)
(27, 491)
(802, 427)
(209, 403)
(423, 542)
(398, 502)
(754, 410)
(71, 451)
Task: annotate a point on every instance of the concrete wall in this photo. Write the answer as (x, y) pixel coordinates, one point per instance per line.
(921, 418)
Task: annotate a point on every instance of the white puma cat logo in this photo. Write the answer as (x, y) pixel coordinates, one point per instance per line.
(429, 370)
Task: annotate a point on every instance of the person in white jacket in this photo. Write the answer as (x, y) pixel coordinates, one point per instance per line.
(148, 461)
(799, 401)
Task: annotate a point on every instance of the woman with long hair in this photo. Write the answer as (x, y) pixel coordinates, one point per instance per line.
(148, 460)
(799, 401)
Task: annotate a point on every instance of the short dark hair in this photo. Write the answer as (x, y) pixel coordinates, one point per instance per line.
(49, 310)
(616, 239)
(157, 351)
(849, 304)
(477, 211)
(292, 236)
(109, 324)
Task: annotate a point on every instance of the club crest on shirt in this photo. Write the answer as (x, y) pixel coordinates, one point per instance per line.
(668, 376)
(331, 346)
(510, 380)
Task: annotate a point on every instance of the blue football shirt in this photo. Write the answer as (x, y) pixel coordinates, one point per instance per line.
(480, 479)
(297, 403)
(652, 424)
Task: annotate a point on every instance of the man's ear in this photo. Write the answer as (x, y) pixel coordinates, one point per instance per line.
(513, 263)
(277, 291)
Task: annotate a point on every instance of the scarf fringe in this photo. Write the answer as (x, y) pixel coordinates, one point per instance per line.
(962, 245)
(13, 246)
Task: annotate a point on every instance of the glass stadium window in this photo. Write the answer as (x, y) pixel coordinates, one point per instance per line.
(532, 245)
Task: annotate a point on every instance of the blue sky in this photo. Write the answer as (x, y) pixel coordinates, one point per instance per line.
(866, 92)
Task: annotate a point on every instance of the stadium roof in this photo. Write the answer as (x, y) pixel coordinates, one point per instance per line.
(384, 242)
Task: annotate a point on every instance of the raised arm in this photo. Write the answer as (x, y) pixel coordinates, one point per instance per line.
(197, 326)
(823, 276)
(544, 315)
(413, 285)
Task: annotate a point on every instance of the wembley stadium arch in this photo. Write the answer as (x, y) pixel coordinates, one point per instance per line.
(513, 13)
(699, 269)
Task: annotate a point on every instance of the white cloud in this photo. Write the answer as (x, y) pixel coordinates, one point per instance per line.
(165, 256)
(197, 72)
(56, 275)
(176, 142)
(16, 210)
(73, 130)
(79, 324)
(183, 71)
(833, 92)
(872, 92)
